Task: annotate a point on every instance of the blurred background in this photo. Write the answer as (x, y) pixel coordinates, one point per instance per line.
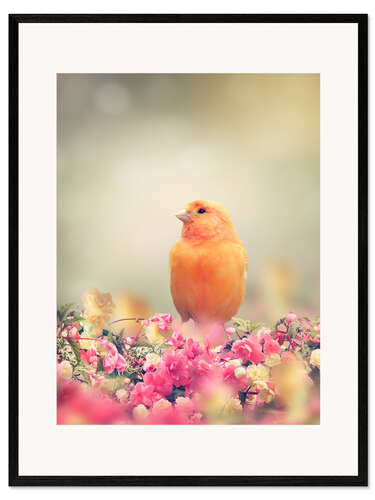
(132, 150)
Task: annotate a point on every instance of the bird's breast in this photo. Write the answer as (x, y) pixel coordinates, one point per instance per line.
(207, 280)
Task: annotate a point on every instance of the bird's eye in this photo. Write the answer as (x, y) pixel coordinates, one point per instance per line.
(201, 211)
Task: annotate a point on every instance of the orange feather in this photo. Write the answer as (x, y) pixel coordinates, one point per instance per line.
(208, 265)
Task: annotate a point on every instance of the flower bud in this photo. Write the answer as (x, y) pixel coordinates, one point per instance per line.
(291, 318)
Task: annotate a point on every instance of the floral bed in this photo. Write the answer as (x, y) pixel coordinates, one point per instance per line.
(259, 375)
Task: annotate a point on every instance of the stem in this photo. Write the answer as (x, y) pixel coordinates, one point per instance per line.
(127, 319)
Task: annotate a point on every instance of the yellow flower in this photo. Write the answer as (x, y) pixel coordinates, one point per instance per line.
(315, 358)
(98, 309)
(65, 369)
(272, 359)
(257, 373)
(98, 304)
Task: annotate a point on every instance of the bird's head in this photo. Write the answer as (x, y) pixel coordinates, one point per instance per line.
(206, 220)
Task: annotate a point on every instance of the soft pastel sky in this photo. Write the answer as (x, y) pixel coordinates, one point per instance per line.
(134, 149)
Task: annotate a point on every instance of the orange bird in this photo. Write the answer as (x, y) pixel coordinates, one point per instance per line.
(208, 265)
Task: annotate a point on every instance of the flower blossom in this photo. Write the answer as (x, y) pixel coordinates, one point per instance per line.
(163, 321)
(98, 309)
(113, 359)
(249, 349)
(291, 317)
(144, 394)
(271, 346)
(160, 380)
(178, 366)
(177, 340)
(90, 356)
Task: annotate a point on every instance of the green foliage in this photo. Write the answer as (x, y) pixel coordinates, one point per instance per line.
(62, 312)
(245, 325)
(69, 313)
(75, 348)
(178, 392)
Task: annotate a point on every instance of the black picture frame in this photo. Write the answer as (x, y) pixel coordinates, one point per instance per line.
(359, 480)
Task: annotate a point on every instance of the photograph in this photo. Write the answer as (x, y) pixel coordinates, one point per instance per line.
(188, 249)
(187, 218)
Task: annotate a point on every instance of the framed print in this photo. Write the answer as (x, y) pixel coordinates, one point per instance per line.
(237, 328)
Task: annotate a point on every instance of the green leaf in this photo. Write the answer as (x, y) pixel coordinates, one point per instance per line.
(121, 335)
(64, 309)
(85, 375)
(75, 348)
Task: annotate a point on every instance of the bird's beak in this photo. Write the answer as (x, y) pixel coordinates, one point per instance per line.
(183, 216)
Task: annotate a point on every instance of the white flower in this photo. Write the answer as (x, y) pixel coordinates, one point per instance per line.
(240, 372)
(257, 373)
(272, 359)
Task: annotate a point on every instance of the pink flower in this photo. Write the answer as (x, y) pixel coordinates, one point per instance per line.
(160, 380)
(163, 321)
(109, 363)
(74, 333)
(162, 407)
(193, 349)
(144, 394)
(229, 376)
(249, 349)
(177, 340)
(264, 334)
(271, 346)
(291, 318)
(230, 330)
(89, 356)
(243, 349)
(178, 366)
(185, 405)
(202, 367)
(121, 364)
